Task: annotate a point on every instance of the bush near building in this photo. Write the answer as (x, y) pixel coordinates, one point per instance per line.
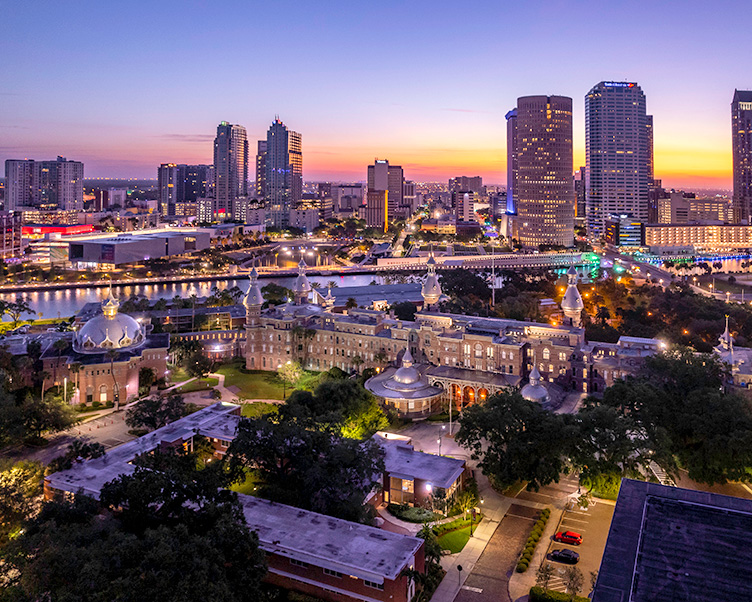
(538, 594)
(532, 541)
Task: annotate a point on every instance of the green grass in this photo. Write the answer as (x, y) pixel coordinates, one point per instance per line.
(253, 384)
(178, 375)
(254, 410)
(203, 384)
(248, 486)
(455, 541)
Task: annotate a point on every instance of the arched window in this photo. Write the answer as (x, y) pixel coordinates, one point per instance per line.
(103, 394)
(546, 353)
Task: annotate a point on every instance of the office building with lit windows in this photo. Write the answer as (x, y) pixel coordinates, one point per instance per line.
(384, 196)
(284, 173)
(619, 154)
(230, 168)
(741, 136)
(544, 188)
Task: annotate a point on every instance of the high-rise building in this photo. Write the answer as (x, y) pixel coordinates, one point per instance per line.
(10, 235)
(284, 173)
(467, 184)
(512, 167)
(170, 179)
(741, 136)
(543, 188)
(579, 196)
(198, 182)
(182, 185)
(260, 189)
(384, 197)
(618, 146)
(48, 185)
(347, 198)
(463, 203)
(230, 168)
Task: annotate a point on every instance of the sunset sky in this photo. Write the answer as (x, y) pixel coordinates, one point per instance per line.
(126, 86)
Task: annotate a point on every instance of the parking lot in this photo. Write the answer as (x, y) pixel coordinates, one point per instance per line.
(593, 524)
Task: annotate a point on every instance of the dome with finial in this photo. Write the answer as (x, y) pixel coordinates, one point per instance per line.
(302, 286)
(431, 290)
(253, 297)
(109, 330)
(535, 390)
(572, 301)
(406, 374)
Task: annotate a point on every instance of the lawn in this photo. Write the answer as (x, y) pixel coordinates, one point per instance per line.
(254, 410)
(248, 486)
(178, 375)
(262, 384)
(203, 384)
(455, 541)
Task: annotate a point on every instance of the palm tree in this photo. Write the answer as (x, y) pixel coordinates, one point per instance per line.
(75, 368)
(357, 362)
(193, 313)
(60, 345)
(45, 375)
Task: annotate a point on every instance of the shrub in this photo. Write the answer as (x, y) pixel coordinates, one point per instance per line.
(538, 594)
(532, 541)
(96, 404)
(521, 568)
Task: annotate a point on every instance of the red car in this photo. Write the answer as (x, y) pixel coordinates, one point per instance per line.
(569, 537)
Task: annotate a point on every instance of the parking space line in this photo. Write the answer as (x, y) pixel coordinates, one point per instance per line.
(576, 520)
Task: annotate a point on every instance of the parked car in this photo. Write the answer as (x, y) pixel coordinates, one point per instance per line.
(569, 537)
(565, 556)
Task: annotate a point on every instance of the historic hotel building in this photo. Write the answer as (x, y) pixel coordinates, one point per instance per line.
(468, 357)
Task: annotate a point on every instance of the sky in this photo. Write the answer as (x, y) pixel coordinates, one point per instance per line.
(126, 86)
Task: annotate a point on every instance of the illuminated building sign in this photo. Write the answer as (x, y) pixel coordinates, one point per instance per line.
(620, 84)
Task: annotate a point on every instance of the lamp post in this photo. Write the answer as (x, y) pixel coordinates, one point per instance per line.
(65, 389)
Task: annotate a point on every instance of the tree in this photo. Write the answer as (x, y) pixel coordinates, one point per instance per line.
(310, 469)
(515, 440)
(460, 283)
(182, 350)
(16, 309)
(573, 581)
(467, 500)
(404, 311)
(112, 354)
(20, 495)
(168, 532)
(77, 451)
(198, 365)
(48, 414)
(274, 294)
(544, 574)
(146, 378)
(351, 303)
(155, 412)
(290, 373)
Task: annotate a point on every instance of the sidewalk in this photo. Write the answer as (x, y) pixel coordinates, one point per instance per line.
(494, 508)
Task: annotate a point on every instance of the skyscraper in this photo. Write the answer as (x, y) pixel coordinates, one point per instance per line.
(741, 136)
(512, 166)
(260, 170)
(47, 185)
(181, 184)
(543, 188)
(384, 197)
(170, 179)
(619, 154)
(230, 168)
(284, 173)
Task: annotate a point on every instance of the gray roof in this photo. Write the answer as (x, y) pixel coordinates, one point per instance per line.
(366, 295)
(90, 476)
(477, 376)
(402, 461)
(667, 543)
(349, 548)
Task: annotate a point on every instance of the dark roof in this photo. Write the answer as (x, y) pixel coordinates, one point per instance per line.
(742, 96)
(667, 543)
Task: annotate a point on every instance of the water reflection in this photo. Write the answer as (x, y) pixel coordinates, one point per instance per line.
(67, 302)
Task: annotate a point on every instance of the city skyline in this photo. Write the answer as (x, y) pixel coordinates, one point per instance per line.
(110, 109)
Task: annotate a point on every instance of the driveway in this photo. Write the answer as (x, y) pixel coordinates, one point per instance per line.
(489, 579)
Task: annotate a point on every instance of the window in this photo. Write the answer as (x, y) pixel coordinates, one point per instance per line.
(562, 356)
(546, 353)
(374, 585)
(332, 573)
(300, 563)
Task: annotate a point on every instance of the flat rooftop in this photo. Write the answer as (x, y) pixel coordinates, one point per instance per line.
(668, 543)
(349, 548)
(402, 461)
(217, 420)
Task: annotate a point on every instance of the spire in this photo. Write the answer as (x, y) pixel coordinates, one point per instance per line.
(431, 290)
(407, 358)
(302, 286)
(110, 305)
(726, 340)
(572, 304)
(253, 298)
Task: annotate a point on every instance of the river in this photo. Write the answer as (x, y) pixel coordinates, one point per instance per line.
(67, 302)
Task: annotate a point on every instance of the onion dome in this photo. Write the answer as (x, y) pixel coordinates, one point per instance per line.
(535, 390)
(109, 330)
(302, 286)
(253, 297)
(431, 290)
(572, 300)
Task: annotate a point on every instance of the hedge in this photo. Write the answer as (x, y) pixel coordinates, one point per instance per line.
(538, 594)
(532, 541)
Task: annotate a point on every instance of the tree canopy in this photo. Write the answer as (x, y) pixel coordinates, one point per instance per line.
(311, 469)
(166, 532)
(155, 412)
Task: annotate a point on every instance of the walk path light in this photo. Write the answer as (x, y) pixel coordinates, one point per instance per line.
(459, 573)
